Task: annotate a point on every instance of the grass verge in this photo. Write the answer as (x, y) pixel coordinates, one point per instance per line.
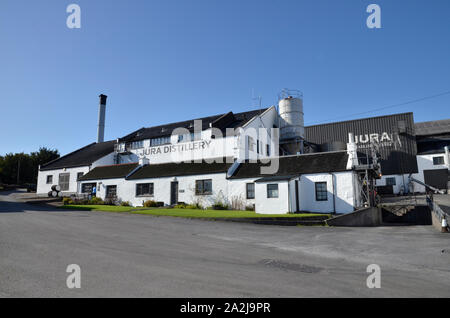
(185, 213)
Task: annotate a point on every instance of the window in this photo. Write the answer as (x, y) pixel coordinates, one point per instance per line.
(257, 146)
(250, 190)
(272, 191)
(390, 182)
(144, 189)
(250, 143)
(203, 187)
(159, 141)
(438, 160)
(137, 144)
(79, 175)
(88, 187)
(321, 191)
(49, 179)
(64, 179)
(111, 191)
(268, 150)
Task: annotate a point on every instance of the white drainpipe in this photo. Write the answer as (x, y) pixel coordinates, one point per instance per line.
(447, 158)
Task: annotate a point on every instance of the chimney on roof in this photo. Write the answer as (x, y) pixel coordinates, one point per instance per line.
(101, 119)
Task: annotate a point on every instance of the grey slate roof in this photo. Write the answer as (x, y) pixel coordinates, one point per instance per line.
(180, 169)
(109, 172)
(296, 165)
(222, 121)
(289, 167)
(436, 127)
(82, 157)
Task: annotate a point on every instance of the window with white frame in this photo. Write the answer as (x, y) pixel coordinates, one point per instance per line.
(250, 143)
(321, 191)
(137, 144)
(203, 187)
(272, 191)
(438, 160)
(250, 190)
(111, 191)
(144, 189)
(159, 141)
(49, 179)
(390, 181)
(64, 180)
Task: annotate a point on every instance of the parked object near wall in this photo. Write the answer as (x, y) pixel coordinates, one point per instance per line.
(55, 192)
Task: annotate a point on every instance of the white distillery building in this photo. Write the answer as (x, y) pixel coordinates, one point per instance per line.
(253, 158)
(323, 182)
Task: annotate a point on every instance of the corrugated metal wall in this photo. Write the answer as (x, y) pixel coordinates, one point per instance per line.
(394, 135)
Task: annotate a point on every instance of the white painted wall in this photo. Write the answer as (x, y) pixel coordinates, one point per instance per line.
(237, 190)
(401, 182)
(265, 205)
(234, 146)
(425, 162)
(126, 189)
(344, 189)
(43, 188)
(227, 191)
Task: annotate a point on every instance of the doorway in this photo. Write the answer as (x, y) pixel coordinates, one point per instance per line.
(174, 192)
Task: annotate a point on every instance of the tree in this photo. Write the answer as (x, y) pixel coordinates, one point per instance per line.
(20, 168)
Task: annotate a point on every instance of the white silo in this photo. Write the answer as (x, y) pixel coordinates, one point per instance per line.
(292, 123)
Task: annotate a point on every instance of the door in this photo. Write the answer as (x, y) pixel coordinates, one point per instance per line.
(297, 206)
(173, 192)
(436, 178)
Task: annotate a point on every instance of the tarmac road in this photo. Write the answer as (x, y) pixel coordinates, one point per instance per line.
(123, 255)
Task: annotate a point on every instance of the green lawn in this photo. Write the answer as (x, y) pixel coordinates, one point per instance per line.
(106, 208)
(185, 213)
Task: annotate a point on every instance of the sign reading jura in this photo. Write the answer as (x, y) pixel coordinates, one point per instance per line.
(385, 140)
(184, 147)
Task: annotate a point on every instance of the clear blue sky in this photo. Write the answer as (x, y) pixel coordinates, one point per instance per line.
(165, 61)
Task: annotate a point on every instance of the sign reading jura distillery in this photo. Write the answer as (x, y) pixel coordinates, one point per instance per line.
(184, 147)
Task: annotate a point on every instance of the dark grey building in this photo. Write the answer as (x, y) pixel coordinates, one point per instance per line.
(393, 136)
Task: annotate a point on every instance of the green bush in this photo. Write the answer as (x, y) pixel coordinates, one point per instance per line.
(180, 206)
(220, 206)
(67, 201)
(125, 203)
(250, 207)
(96, 201)
(150, 204)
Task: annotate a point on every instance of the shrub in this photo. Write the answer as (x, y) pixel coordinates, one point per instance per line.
(250, 207)
(110, 201)
(67, 201)
(180, 206)
(220, 206)
(96, 201)
(150, 204)
(194, 206)
(125, 203)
